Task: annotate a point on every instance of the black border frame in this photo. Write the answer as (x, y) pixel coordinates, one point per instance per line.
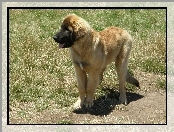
(8, 71)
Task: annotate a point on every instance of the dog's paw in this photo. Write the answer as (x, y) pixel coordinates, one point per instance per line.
(89, 103)
(78, 104)
(123, 100)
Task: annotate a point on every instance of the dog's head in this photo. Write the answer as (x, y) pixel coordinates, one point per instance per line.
(72, 29)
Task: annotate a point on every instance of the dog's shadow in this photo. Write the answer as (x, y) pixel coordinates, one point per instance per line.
(103, 105)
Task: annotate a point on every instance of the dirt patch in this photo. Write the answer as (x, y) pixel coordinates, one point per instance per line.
(146, 105)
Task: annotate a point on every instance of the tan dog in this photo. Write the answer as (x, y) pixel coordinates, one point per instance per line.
(91, 52)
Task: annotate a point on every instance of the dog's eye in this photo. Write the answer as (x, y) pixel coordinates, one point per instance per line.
(64, 27)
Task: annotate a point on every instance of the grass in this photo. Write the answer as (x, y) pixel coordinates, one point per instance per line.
(41, 73)
(64, 122)
(161, 83)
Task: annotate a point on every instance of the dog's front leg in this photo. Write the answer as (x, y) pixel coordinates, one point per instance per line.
(81, 85)
(93, 81)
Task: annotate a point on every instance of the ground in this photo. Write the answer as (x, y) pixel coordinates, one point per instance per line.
(146, 105)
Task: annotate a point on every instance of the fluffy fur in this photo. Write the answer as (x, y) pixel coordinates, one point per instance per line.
(91, 52)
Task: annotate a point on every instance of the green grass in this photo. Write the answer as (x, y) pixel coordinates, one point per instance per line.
(161, 83)
(64, 122)
(41, 73)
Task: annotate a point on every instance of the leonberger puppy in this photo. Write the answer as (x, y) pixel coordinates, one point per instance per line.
(91, 52)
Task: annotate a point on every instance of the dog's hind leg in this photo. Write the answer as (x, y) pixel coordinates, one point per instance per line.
(121, 67)
(121, 72)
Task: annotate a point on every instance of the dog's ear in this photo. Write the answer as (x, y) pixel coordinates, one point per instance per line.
(78, 29)
(73, 35)
(77, 34)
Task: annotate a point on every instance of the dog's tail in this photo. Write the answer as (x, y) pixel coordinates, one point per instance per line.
(130, 79)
